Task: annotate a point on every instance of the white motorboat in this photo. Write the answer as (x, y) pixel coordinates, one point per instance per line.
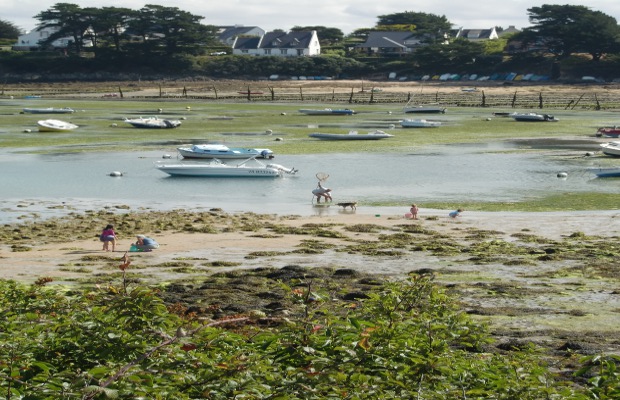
(49, 110)
(419, 123)
(352, 135)
(153, 123)
(424, 109)
(533, 117)
(611, 149)
(54, 125)
(218, 169)
(327, 111)
(222, 151)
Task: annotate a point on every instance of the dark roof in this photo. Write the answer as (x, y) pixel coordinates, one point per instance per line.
(282, 40)
(229, 32)
(276, 40)
(388, 39)
(474, 33)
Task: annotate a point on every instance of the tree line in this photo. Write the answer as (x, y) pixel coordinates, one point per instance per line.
(132, 38)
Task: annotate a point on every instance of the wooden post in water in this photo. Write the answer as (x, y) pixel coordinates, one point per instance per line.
(159, 90)
(514, 99)
(351, 96)
(184, 92)
(301, 93)
(215, 90)
(273, 93)
(372, 95)
(333, 94)
(484, 99)
(249, 95)
(598, 105)
(120, 91)
(540, 100)
(578, 100)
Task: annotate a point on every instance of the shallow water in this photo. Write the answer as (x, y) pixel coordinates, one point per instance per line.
(44, 183)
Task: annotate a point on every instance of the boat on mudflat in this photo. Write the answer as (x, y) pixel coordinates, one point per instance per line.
(352, 135)
(49, 110)
(222, 151)
(55, 125)
(419, 123)
(611, 149)
(326, 111)
(608, 131)
(424, 109)
(153, 123)
(218, 169)
(613, 172)
(533, 117)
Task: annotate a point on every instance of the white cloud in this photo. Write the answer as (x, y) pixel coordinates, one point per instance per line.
(347, 15)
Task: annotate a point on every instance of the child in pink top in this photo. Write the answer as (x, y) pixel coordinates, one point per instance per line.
(108, 236)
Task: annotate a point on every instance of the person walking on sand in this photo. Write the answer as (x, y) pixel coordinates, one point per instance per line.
(414, 211)
(108, 236)
(456, 213)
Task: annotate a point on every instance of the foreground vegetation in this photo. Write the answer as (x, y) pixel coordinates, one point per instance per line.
(396, 340)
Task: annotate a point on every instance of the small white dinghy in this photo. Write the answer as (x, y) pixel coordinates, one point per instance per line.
(55, 125)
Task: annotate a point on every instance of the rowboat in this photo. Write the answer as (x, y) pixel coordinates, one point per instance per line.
(153, 123)
(327, 111)
(352, 135)
(419, 123)
(609, 131)
(611, 149)
(424, 109)
(533, 117)
(54, 125)
(218, 169)
(49, 110)
(222, 152)
(613, 172)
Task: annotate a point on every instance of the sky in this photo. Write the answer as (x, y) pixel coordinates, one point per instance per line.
(347, 15)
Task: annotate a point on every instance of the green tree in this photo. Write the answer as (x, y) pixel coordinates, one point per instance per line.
(327, 36)
(68, 20)
(568, 29)
(8, 30)
(430, 26)
(438, 57)
(177, 31)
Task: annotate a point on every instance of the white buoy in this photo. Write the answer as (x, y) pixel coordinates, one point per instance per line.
(279, 139)
(27, 130)
(114, 125)
(116, 173)
(159, 110)
(562, 175)
(166, 156)
(392, 126)
(589, 154)
(269, 132)
(283, 113)
(188, 108)
(389, 112)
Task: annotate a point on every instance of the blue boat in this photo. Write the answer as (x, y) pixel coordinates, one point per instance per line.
(607, 172)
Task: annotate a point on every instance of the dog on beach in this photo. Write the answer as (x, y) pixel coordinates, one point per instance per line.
(352, 204)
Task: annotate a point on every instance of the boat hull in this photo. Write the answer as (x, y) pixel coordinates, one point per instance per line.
(217, 169)
(419, 123)
(351, 136)
(327, 111)
(222, 152)
(153, 123)
(53, 125)
(607, 172)
(608, 132)
(611, 149)
(424, 110)
(533, 117)
(49, 110)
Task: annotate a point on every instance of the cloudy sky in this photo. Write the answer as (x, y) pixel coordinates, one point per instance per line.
(346, 15)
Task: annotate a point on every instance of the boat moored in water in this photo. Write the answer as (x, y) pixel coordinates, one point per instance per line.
(222, 151)
(218, 169)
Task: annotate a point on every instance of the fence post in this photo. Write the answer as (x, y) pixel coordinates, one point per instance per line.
(301, 93)
(351, 97)
(120, 91)
(273, 94)
(514, 99)
(484, 99)
(540, 100)
(215, 90)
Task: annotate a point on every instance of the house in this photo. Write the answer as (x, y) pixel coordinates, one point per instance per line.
(508, 31)
(476, 34)
(278, 43)
(31, 41)
(227, 34)
(389, 43)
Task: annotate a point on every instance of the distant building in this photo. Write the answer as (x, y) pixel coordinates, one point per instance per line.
(390, 43)
(31, 41)
(508, 31)
(228, 34)
(475, 35)
(281, 44)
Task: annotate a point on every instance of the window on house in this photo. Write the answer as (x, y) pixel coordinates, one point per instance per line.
(244, 51)
(267, 51)
(283, 51)
(300, 52)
